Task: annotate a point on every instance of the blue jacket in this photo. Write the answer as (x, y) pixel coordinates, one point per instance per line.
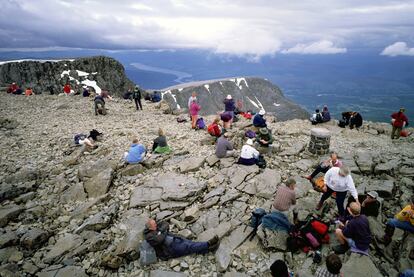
(136, 153)
(259, 121)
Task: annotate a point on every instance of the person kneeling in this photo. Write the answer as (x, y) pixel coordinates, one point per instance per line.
(169, 246)
(136, 153)
(355, 234)
(249, 155)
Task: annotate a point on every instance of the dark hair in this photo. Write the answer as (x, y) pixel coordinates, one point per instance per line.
(279, 269)
(317, 110)
(333, 264)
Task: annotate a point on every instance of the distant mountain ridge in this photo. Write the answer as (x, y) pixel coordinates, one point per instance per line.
(255, 93)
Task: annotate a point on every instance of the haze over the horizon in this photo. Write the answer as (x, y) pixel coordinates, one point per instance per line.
(250, 29)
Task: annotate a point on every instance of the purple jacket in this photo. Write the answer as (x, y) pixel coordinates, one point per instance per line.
(194, 108)
(229, 105)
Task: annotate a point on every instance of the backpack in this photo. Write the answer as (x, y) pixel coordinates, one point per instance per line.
(181, 118)
(211, 130)
(315, 231)
(250, 134)
(261, 162)
(200, 123)
(319, 184)
(78, 137)
(255, 221)
(342, 123)
(147, 254)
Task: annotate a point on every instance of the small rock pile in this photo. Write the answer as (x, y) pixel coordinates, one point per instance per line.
(67, 211)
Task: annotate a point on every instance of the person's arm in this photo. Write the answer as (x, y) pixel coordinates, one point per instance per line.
(327, 177)
(351, 187)
(293, 198)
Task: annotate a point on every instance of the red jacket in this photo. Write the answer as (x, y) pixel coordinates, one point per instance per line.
(400, 118)
(66, 89)
(214, 130)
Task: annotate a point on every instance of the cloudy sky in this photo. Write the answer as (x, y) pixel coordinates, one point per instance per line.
(236, 27)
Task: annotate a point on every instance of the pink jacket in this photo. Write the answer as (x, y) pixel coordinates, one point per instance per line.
(194, 108)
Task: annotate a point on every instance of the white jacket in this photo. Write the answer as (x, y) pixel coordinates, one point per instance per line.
(339, 183)
(249, 152)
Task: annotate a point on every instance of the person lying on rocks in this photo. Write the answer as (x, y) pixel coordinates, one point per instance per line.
(355, 234)
(264, 137)
(338, 180)
(259, 121)
(333, 267)
(249, 155)
(136, 153)
(316, 117)
(326, 165)
(81, 139)
(168, 246)
(280, 269)
(285, 198)
(404, 220)
(224, 148)
(160, 145)
(99, 105)
(370, 205)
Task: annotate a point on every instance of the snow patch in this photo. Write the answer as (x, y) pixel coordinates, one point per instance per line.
(93, 84)
(260, 104)
(82, 73)
(33, 60)
(180, 89)
(239, 80)
(276, 105)
(65, 72)
(253, 103)
(207, 88)
(173, 96)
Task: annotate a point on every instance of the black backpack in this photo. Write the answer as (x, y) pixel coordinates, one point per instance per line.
(255, 221)
(261, 162)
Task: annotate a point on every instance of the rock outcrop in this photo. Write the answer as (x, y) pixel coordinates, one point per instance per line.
(255, 93)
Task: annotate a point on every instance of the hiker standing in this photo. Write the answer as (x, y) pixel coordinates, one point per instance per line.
(136, 95)
(192, 98)
(194, 109)
(399, 121)
(229, 105)
(340, 181)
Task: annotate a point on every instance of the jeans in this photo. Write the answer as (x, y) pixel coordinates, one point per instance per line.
(340, 199)
(183, 247)
(403, 225)
(319, 169)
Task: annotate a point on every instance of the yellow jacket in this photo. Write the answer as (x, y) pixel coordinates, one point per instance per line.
(406, 214)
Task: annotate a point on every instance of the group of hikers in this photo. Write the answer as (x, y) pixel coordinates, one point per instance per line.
(349, 118)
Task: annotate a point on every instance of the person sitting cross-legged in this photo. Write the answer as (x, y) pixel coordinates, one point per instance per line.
(160, 145)
(355, 234)
(169, 246)
(224, 148)
(249, 155)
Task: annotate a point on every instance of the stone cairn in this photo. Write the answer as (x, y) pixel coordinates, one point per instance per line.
(319, 142)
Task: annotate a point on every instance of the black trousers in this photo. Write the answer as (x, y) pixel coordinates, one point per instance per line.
(138, 102)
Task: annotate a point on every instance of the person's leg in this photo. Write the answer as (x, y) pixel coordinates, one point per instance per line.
(340, 236)
(325, 196)
(398, 132)
(182, 247)
(230, 153)
(125, 155)
(96, 108)
(403, 225)
(136, 103)
(340, 199)
(393, 132)
(317, 170)
(139, 102)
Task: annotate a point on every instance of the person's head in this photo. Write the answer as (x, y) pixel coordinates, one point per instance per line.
(228, 97)
(13, 83)
(262, 112)
(334, 156)
(194, 101)
(354, 209)
(291, 183)
(135, 141)
(249, 142)
(372, 194)
(217, 120)
(343, 171)
(317, 111)
(193, 94)
(264, 131)
(226, 135)
(151, 224)
(402, 110)
(161, 132)
(279, 269)
(325, 108)
(333, 264)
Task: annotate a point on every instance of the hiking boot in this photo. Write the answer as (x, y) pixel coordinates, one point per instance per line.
(213, 244)
(340, 249)
(214, 240)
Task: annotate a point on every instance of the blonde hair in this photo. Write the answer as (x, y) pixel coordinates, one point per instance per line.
(355, 208)
(217, 120)
(161, 132)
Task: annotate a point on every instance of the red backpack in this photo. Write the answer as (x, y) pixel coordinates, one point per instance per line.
(213, 130)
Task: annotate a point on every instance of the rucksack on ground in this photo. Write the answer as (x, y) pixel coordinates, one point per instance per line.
(319, 184)
(200, 123)
(255, 221)
(261, 162)
(250, 134)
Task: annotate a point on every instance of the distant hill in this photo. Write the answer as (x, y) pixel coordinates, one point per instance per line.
(256, 94)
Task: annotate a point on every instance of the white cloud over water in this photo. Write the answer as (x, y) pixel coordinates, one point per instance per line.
(235, 27)
(398, 49)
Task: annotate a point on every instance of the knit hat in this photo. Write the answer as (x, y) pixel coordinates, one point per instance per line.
(262, 112)
(228, 96)
(249, 142)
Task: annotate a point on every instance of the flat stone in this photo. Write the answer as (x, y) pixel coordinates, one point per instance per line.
(75, 193)
(164, 214)
(210, 202)
(212, 160)
(272, 239)
(25, 174)
(132, 170)
(69, 271)
(8, 213)
(228, 244)
(383, 187)
(191, 164)
(364, 160)
(302, 186)
(293, 150)
(173, 205)
(163, 273)
(407, 171)
(34, 238)
(304, 164)
(389, 167)
(92, 168)
(215, 192)
(62, 246)
(142, 196)
(320, 132)
(240, 173)
(191, 214)
(100, 220)
(266, 183)
(230, 195)
(221, 230)
(99, 184)
(235, 274)
(75, 156)
(360, 266)
(8, 239)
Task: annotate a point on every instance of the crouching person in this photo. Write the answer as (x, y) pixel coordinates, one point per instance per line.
(169, 246)
(99, 105)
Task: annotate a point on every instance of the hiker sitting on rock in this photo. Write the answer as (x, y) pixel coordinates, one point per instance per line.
(326, 116)
(224, 148)
(316, 117)
(264, 137)
(355, 234)
(355, 120)
(169, 246)
(326, 165)
(333, 267)
(285, 198)
(404, 220)
(99, 105)
(259, 121)
(399, 121)
(194, 109)
(13, 88)
(249, 155)
(67, 89)
(214, 128)
(136, 153)
(340, 181)
(160, 145)
(369, 203)
(29, 91)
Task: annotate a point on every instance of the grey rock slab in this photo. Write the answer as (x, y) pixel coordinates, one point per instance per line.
(235, 274)
(221, 230)
(164, 214)
(25, 174)
(223, 254)
(142, 196)
(69, 271)
(230, 195)
(215, 192)
(210, 202)
(191, 164)
(163, 273)
(62, 246)
(99, 184)
(75, 193)
(173, 205)
(304, 164)
(8, 239)
(8, 213)
(34, 238)
(349, 161)
(360, 266)
(82, 209)
(272, 239)
(267, 183)
(93, 168)
(100, 220)
(407, 171)
(388, 167)
(383, 187)
(132, 170)
(240, 173)
(293, 150)
(191, 214)
(177, 186)
(364, 160)
(302, 186)
(212, 160)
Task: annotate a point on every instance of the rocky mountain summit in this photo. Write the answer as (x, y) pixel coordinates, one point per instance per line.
(98, 72)
(70, 212)
(255, 94)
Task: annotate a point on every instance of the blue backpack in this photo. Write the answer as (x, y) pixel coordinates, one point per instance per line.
(200, 123)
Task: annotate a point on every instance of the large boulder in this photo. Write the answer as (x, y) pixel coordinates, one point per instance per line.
(63, 245)
(266, 183)
(99, 184)
(8, 213)
(191, 164)
(360, 266)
